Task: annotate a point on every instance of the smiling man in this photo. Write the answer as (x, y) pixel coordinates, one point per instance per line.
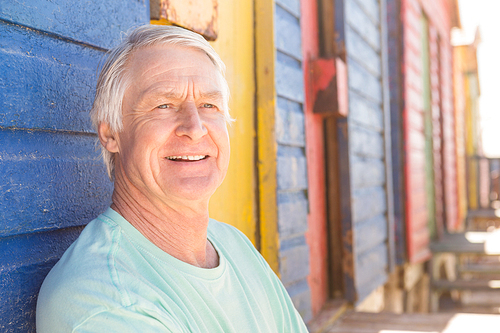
(155, 261)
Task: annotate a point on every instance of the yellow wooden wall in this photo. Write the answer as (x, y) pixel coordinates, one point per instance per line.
(459, 95)
(472, 175)
(247, 198)
(235, 201)
(465, 58)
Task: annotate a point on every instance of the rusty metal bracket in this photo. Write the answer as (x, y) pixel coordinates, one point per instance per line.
(329, 86)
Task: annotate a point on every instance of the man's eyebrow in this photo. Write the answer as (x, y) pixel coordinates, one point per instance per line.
(161, 93)
(155, 93)
(214, 94)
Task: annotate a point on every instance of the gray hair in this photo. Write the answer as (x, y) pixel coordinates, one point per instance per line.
(112, 82)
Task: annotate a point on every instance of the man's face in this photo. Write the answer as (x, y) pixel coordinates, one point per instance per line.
(174, 144)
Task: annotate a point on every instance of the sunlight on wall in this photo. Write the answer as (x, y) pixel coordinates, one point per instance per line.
(484, 13)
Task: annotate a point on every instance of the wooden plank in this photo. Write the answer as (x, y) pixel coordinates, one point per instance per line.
(386, 104)
(48, 82)
(326, 25)
(292, 6)
(437, 127)
(418, 241)
(50, 180)
(339, 20)
(468, 243)
(371, 267)
(266, 150)
(416, 141)
(291, 164)
(367, 172)
(371, 8)
(292, 213)
(368, 203)
(290, 128)
(317, 234)
(363, 52)
(370, 233)
(358, 19)
(491, 268)
(294, 259)
(348, 253)
(95, 23)
(366, 143)
(365, 112)
(333, 195)
(482, 213)
(361, 322)
(288, 28)
(289, 78)
(476, 284)
(364, 82)
(292, 168)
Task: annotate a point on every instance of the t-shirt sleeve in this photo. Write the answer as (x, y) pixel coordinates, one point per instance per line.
(123, 320)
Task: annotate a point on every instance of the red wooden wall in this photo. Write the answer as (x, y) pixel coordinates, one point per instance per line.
(439, 16)
(317, 233)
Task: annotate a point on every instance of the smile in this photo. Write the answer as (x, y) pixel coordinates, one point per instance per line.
(187, 158)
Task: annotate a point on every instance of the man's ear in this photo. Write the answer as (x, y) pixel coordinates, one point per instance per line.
(108, 138)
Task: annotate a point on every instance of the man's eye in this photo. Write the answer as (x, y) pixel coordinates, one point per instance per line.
(164, 106)
(208, 105)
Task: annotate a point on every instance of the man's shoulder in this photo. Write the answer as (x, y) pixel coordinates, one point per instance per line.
(87, 256)
(82, 272)
(234, 244)
(227, 233)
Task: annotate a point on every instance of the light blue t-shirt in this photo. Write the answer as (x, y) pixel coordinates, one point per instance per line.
(113, 279)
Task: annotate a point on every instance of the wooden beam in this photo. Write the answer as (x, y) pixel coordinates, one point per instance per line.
(266, 136)
(386, 106)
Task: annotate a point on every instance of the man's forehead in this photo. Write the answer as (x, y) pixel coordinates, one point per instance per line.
(170, 61)
(166, 53)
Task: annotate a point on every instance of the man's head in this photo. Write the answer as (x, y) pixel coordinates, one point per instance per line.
(114, 78)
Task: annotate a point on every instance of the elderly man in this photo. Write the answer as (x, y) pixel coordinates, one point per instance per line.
(154, 261)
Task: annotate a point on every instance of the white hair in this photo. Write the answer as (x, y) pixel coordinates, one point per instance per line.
(113, 80)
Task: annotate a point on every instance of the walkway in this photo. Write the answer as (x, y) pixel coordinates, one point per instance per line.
(361, 322)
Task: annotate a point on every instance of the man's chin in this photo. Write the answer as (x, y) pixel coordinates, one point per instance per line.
(192, 190)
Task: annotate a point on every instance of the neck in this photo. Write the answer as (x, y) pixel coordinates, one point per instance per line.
(178, 229)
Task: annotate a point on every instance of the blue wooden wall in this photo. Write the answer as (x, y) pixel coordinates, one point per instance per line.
(52, 181)
(366, 144)
(291, 159)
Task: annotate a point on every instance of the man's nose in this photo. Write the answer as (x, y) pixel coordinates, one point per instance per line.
(190, 122)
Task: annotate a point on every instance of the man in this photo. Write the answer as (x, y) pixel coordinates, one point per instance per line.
(154, 261)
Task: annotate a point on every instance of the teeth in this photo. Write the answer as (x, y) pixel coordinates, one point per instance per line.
(188, 158)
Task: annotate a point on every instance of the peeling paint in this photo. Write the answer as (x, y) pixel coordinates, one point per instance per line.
(199, 16)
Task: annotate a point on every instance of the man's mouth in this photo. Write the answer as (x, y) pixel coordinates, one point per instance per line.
(187, 158)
